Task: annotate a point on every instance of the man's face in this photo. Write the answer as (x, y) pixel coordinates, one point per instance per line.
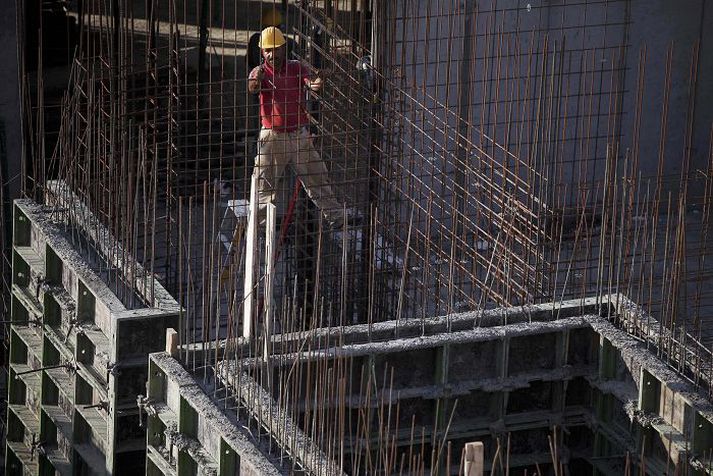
(275, 57)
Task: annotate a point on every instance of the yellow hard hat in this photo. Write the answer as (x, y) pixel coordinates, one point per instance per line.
(271, 37)
(271, 17)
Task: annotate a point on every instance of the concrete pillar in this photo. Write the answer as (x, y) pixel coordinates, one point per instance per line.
(649, 393)
(10, 123)
(655, 25)
(11, 148)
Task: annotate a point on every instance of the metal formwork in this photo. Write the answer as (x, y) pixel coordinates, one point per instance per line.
(78, 350)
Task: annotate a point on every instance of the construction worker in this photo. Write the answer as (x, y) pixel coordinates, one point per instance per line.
(285, 138)
(271, 17)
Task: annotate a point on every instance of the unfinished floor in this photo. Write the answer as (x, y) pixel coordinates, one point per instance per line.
(569, 385)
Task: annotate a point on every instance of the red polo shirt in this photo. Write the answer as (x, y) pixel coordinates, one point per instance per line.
(282, 99)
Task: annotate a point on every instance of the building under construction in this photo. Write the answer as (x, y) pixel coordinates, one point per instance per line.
(514, 278)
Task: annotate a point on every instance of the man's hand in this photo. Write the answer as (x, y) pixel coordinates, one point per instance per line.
(255, 83)
(317, 82)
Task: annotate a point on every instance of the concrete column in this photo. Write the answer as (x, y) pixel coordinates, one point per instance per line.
(656, 25)
(10, 123)
(11, 143)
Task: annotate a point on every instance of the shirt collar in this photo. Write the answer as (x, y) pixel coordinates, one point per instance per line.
(271, 69)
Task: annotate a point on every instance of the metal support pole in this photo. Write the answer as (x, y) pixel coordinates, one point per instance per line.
(250, 250)
(269, 274)
(269, 286)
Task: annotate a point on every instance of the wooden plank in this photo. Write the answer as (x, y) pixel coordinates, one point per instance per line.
(172, 342)
(269, 275)
(251, 248)
(473, 459)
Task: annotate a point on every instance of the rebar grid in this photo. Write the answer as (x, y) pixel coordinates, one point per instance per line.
(493, 163)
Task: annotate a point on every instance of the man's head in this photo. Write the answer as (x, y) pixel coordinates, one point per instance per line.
(272, 43)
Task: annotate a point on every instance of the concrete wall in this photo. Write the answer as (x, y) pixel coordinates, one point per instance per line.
(508, 111)
(516, 374)
(656, 25)
(10, 135)
(85, 353)
(186, 429)
(556, 100)
(10, 124)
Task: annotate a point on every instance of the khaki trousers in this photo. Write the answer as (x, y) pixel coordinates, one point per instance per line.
(276, 150)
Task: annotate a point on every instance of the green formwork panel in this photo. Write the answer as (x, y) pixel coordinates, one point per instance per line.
(18, 311)
(80, 315)
(152, 469)
(229, 460)
(16, 389)
(86, 303)
(21, 231)
(20, 270)
(607, 359)
(18, 349)
(186, 465)
(157, 383)
(13, 464)
(155, 432)
(53, 312)
(188, 419)
(702, 435)
(649, 393)
(54, 266)
(50, 353)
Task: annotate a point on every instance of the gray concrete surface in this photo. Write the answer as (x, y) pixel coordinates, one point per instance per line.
(10, 124)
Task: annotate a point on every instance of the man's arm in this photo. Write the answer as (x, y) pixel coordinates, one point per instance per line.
(255, 79)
